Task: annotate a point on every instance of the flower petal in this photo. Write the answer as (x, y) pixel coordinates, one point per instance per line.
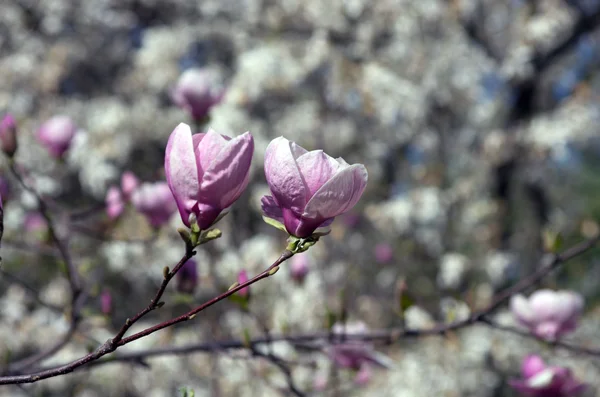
(544, 302)
(227, 177)
(181, 170)
(270, 208)
(520, 308)
(339, 194)
(531, 365)
(283, 176)
(316, 168)
(207, 149)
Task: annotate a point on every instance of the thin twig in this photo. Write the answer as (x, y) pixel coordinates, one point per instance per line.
(389, 336)
(78, 295)
(112, 344)
(558, 343)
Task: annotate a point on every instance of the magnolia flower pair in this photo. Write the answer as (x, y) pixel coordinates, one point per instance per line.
(208, 172)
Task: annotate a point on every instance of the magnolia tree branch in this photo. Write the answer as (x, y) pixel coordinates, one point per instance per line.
(389, 336)
(78, 295)
(589, 351)
(72, 273)
(112, 344)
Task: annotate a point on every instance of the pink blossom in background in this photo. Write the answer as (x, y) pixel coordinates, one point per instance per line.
(548, 314)
(357, 355)
(105, 302)
(242, 278)
(197, 91)
(540, 380)
(207, 172)
(114, 202)
(351, 219)
(309, 189)
(155, 202)
(8, 135)
(384, 253)
(56, 134)
(34, 222)
(129, 182)
(187, 277)
(299, 266)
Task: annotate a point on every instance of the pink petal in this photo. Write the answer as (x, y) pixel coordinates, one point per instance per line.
(543, 303)
(520, 308)
(569, 306)
(228, 175)
(339, 194)
(317, 168)
(181, 170)
(531, 365)
(270, 208)
(283, 176)
(207, 149)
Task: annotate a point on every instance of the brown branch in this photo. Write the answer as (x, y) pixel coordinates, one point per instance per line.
(72, 273)
(78, 295)
(155, 302)
(590, 351)
(112, 344)
(389, 336)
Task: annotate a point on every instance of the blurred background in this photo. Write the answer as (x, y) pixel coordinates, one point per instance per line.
(478, 121)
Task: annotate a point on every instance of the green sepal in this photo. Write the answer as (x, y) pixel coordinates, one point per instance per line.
(274, 223)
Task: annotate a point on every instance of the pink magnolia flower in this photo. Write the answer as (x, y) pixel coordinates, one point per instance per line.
(187, 277)
(241, 279)
(155, 201)
(114, 202)
(105, 302)
(309, 189)
(540, 380)
(207, 172)
(56, 134)
(300, 266)
(196, 91)
(384, 253)
(548, 314)
(357, 355)
(8, 135)
(34, 222)
(129, 182)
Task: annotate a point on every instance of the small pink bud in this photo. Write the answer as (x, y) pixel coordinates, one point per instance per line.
(548, 314)
(197, 92)
(206, 172)
(241, 279)
(539, 380)
(56, 134)
(8, 135)
(155, 201)
(309, 189)
(384, 253)
(114, 202)
(34, 222)
(299, 266)
(106, 302)
(187, 277)
(129, 182)
(364, 375)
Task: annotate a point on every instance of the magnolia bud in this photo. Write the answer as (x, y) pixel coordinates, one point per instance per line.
(8, 135)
